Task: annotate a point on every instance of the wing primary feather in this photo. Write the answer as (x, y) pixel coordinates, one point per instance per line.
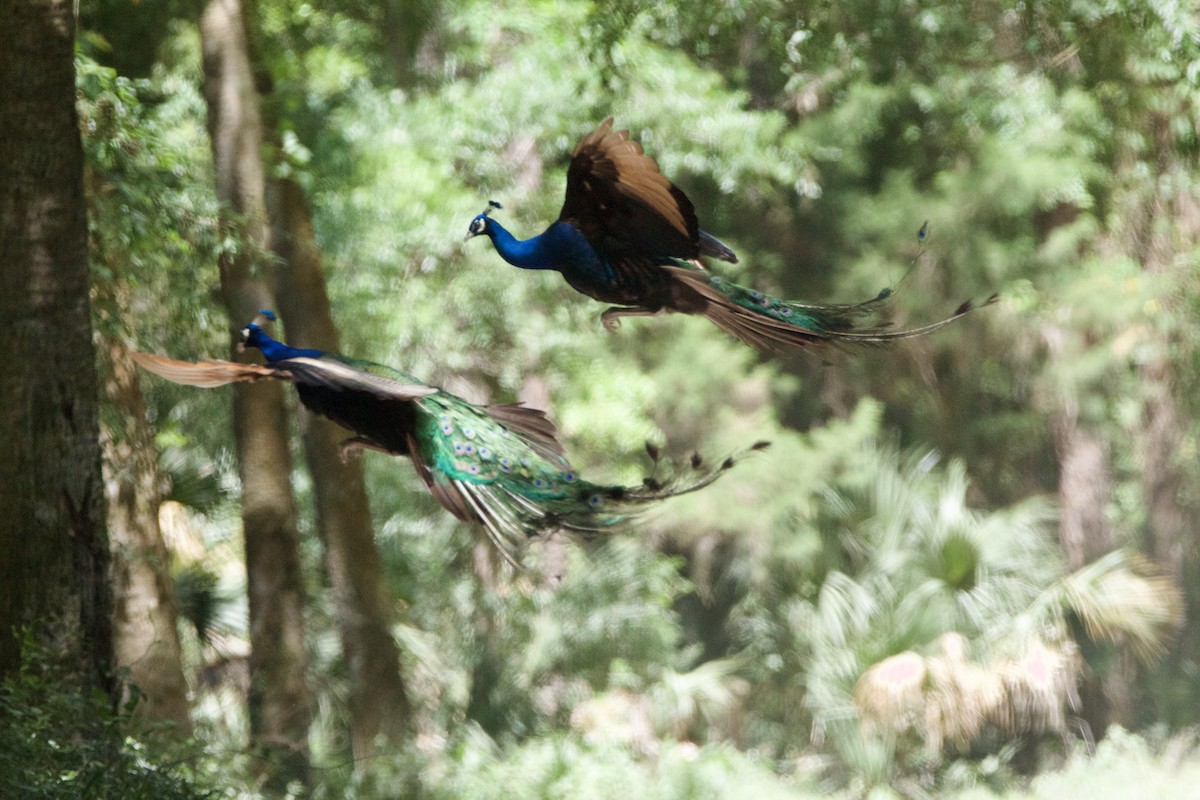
(489, 525)
(207, 374)
(531, 507)
(504, 515)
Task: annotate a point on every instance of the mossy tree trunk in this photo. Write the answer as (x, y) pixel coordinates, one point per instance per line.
(145, 637)
(53, 542)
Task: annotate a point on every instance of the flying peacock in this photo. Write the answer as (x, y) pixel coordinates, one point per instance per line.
(499, 465)
(629, 236)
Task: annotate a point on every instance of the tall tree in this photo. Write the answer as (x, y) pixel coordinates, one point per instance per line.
(145, 637)
(1085, 489)
(146, 643)
(53, 543)
(378, 702)
(280, 711)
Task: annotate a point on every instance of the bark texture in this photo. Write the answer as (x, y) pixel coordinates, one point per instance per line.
(378, 701)
(280, 703)
(145, 637)
(1085, 489)
(53, 543)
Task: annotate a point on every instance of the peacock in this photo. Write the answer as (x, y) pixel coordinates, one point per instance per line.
(627, 235)
(498, 465)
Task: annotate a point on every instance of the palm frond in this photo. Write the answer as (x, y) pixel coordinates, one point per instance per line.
(845, 608)
(1123, 599)
(709, 694)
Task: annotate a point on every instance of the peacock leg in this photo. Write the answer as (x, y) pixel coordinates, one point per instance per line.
(353, 447)
(612, 317)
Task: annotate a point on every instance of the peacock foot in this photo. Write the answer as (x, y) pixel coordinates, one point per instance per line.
(352, 448)
(612, 317)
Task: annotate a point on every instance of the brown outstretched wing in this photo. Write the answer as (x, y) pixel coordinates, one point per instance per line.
(616, 192)
(206, 374)
(312, 371)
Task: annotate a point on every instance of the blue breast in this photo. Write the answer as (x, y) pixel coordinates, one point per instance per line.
(278, 351)
(561, 247)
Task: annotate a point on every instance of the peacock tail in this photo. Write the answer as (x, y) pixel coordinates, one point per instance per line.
(771, 323)
(488, 464)
(499, 465)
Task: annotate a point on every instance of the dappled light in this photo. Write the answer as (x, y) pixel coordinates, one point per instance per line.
(810, 410)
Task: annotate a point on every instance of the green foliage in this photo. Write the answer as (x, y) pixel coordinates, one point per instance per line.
(198, 599)
(152, 210)
(152, 218)
(1053, 152)
(563, 768)
(615, 606)
(916, 571)
(1123, 765)
(60, 741)
(194, 481)
(547, 647)
(1120, 599)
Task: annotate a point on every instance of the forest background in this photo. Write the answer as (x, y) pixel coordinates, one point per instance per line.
(967, 567)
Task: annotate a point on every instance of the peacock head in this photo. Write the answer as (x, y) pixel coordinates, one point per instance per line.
(481, 224)
(253, 335)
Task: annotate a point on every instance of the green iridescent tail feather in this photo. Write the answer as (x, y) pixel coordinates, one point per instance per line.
(509, 474)
(608, 507)
(770, 323)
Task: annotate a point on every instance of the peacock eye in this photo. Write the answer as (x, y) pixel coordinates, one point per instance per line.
(245, 333)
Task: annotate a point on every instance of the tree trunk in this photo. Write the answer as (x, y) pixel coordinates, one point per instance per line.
(280, 711)
(1173, 541)
(488, 668)
(1162, 479)
(1085, 489)
(145, 637)
(378, 702)
(1172, 534)
(404, 24)
(53, 544)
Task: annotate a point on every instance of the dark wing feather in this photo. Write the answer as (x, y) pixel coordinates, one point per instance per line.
(473, 502)
(335, 374)
(616, 192)
(445, 493)
(713, 247)
(531, 424)
(206, 374)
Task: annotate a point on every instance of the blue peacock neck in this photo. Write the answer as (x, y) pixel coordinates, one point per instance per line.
(273, 350)
(559, 247)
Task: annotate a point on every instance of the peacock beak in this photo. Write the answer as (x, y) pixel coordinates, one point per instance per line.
(469, 236)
